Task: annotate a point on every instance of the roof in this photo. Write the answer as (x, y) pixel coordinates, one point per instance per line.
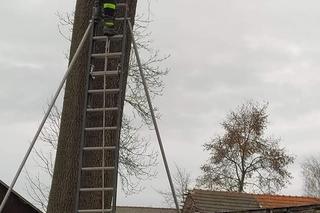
(305, 209)
(18, 196)
(278, 201)
(129, 209)
(218, 201)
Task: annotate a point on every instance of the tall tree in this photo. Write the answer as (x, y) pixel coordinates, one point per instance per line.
(311, 176)
(63, 190)
(243, 158)
(137, 159)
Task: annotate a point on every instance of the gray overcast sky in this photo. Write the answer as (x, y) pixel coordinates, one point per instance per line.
(223, 52)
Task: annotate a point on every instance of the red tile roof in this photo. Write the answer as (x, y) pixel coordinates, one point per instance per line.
(278, 201)
(217, 201)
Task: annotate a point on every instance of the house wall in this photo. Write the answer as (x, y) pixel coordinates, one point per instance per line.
(144, 210)
(16, 204)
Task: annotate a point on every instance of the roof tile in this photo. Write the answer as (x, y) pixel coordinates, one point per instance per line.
(277, 201)
(219, 201)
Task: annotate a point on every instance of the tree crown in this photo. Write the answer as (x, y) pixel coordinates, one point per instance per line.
(243, 158)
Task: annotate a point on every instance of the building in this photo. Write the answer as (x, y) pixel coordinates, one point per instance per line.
(16, 203)
(123, 209)
(202, 201)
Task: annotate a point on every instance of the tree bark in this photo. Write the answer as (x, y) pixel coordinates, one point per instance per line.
(64, 183)
(241, 182)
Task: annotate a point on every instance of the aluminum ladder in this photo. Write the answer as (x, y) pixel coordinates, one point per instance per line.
(99, 151)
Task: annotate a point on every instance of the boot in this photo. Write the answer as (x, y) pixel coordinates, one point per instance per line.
(108, 27)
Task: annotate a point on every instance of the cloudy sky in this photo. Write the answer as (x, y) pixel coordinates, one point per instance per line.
(223, 53)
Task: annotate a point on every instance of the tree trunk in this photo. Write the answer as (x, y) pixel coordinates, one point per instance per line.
(241, 182)
(64, 183)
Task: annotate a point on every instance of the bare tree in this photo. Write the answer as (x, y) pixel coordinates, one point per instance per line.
(243, 158)
(182, 181)
(137, 159)
(311, 176)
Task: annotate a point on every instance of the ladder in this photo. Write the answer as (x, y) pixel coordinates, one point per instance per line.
(100, 135)
(105, 90)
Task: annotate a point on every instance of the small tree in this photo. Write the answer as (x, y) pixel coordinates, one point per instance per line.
(243, 158)
(183, 182)
(311, 176)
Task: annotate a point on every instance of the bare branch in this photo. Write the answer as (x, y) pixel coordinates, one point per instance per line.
(183, 183)
(65, 24)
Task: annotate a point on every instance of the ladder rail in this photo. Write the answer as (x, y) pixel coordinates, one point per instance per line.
(107, 50)
(120, 99)
(89, 67)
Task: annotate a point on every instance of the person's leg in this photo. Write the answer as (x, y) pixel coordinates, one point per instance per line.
(109, 8)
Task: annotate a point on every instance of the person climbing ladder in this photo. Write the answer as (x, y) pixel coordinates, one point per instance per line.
(109, 8)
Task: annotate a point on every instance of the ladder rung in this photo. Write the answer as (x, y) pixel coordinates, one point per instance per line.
(97, 168)
(106, 55)
(98, 73)
(121, 4)
(102, 109)
(97, 38)
(122, 19)
(108, 91)
(99, 148)
(96, 189)
(94, 210)
(101, 128)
